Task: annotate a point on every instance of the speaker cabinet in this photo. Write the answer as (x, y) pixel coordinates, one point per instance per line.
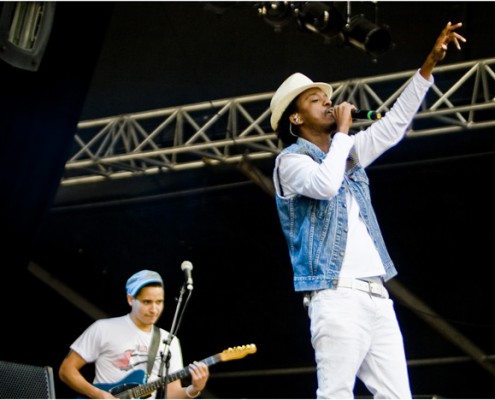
(20, 381)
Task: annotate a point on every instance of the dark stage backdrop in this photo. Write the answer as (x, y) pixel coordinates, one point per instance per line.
(430, 195)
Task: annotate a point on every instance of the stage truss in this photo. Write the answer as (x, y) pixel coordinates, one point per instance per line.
(228, 130)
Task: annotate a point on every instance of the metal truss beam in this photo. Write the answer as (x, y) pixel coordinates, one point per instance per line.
(224, 131)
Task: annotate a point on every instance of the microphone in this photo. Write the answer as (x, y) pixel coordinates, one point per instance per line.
(187, 267)
(366, 114)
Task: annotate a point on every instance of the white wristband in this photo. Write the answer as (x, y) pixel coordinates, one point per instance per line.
(189, 395)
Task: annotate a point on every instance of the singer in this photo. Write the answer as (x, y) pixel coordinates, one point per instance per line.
(119, 347)
(338, 254)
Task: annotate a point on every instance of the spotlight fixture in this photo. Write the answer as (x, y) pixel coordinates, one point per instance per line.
(368, 36)
(324, 19)
(24, 32)
(276, 13)
(320, 18)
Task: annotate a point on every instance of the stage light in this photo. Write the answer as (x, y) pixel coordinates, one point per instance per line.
(320, 18)
(24, 32)
(368, 36)
(276, 13)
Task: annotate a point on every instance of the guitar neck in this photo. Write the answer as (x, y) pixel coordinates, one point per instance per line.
(147, 388)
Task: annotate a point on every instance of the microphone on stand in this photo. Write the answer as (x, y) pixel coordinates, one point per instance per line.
(369, 115)
(187, 267)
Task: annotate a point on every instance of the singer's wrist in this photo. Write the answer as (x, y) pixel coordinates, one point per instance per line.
(189, 391)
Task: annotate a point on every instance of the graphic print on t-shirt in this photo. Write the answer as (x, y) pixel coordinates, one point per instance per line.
(132, 358)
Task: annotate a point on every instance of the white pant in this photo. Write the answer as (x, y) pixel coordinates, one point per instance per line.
(356, 334)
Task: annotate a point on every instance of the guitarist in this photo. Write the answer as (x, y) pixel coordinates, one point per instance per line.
(119, 346)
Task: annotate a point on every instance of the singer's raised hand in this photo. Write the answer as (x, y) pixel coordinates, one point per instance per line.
(439, 50)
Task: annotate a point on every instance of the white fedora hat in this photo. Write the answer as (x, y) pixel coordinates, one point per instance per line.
(292, 87)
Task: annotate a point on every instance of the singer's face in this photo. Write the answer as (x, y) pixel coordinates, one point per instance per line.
(315, 109)
(147, 306)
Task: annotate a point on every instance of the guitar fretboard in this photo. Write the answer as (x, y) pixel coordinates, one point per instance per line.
(147, 388)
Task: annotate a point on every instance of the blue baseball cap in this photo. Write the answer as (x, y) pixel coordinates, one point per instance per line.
(141, 278)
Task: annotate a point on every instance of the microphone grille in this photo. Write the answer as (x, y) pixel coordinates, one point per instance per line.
(186, 265)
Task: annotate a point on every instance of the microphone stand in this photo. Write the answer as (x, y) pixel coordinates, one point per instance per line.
(166, 354)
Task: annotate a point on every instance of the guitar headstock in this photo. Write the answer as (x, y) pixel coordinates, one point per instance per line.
(235, 353)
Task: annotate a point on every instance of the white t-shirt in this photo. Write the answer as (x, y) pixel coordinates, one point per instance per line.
(297, 176)
(118, 347)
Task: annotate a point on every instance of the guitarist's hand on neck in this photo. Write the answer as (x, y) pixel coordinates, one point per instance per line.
(199, 376)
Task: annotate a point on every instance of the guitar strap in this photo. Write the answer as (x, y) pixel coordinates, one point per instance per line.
(155, 341)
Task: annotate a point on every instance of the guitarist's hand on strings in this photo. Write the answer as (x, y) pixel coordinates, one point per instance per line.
(199, 375)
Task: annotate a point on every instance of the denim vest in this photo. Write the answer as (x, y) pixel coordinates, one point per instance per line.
(316, 230)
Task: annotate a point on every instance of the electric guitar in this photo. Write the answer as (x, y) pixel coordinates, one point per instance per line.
(134, 385)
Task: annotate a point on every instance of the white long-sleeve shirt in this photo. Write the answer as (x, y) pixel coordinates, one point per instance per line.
(301, 175)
